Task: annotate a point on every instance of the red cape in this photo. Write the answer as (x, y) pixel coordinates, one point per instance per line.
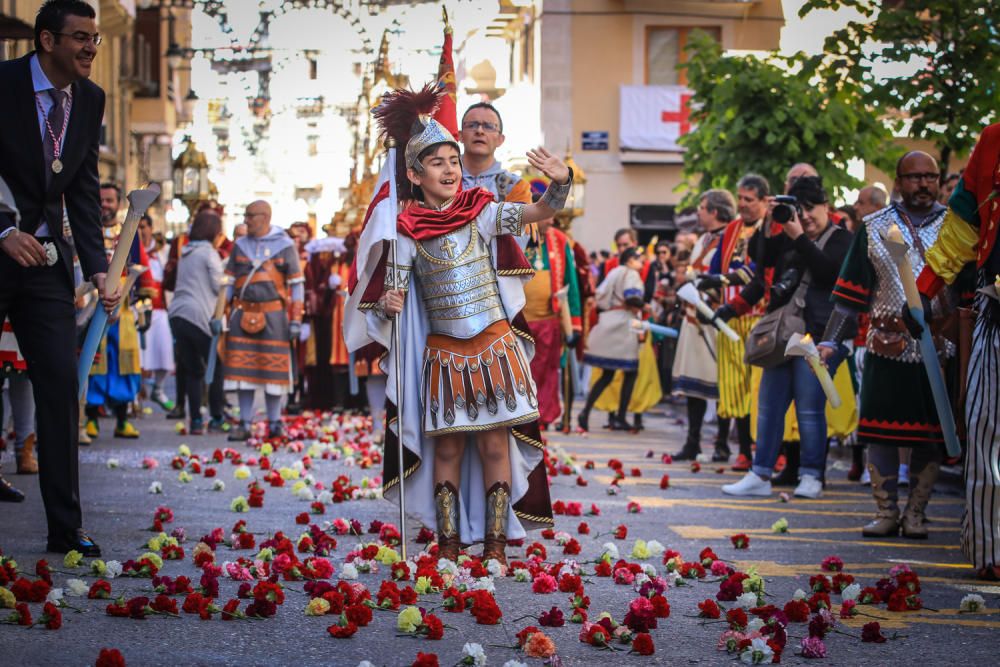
(421, 223)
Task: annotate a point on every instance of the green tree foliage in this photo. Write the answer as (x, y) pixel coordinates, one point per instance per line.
(764, 115)
(955, 44)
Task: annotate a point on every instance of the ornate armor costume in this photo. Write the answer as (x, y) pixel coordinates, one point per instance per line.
(461, 366)
(869, 282)
(474, 374)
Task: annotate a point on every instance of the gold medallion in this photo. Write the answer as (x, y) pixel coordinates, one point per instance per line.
(57, 166)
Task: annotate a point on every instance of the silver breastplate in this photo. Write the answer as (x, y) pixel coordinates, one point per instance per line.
(458, 283)
(888, 298)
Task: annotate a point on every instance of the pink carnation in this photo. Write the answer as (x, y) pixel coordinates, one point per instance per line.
(813, 647)
(543, 584)
(719, 568)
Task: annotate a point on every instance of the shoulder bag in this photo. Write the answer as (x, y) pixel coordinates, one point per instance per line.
(765, 345)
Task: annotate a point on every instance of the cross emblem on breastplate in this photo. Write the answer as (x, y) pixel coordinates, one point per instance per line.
(448, 247)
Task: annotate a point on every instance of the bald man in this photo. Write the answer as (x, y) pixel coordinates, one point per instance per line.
(889, 418)
(870, 199)
(797, 171)
(265, 314)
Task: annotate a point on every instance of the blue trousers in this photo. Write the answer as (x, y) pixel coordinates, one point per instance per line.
(779, 386)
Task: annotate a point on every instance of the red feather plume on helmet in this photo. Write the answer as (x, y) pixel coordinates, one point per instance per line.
(398, 118)
(398, 114)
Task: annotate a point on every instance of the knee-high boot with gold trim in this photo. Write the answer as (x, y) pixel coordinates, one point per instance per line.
(446, 510)
(497, 512)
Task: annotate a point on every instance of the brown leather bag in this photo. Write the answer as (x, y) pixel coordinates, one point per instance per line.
(252, 322)
(889, 336)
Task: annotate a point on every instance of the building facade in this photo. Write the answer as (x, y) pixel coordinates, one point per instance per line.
(591, 49)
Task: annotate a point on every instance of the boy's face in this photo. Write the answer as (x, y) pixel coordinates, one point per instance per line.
(442, 174)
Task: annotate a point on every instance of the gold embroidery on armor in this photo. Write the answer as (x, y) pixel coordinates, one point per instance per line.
(448, 247)
(449, 263)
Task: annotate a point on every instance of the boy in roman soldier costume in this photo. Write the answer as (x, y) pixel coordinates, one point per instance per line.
(453, 280)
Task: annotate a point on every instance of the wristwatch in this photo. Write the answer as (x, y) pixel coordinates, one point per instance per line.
(7, 232)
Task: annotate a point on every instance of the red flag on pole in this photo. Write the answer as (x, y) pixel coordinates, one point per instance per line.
(447, 113)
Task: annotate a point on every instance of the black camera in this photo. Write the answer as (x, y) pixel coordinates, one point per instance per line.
(785, 286)
(785, 208)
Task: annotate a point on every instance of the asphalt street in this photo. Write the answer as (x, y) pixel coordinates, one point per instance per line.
(687, 516)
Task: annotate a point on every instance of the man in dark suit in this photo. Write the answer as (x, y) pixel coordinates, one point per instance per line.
(50, 126)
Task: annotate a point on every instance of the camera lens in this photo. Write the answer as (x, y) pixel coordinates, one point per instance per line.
(781, 213)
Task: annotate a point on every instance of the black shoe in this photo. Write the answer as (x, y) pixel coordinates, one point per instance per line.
(687, 453)
(637, 424)
(616, 423)
(76, 540)
(275, 429)
(721, 455)
(9, 494)
(583, 421)
(239, 434)
(176, 413)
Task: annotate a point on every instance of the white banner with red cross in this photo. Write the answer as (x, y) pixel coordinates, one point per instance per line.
(653, 118)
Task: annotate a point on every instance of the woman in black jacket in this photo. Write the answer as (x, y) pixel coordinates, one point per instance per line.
(809, 246)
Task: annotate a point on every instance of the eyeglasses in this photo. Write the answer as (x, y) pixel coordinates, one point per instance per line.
(916, 178)
(474, 125)
(81, 37)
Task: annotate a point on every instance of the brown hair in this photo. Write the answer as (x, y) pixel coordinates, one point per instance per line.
(206, 226)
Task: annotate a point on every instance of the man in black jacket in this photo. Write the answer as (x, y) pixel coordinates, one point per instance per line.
(49, 136)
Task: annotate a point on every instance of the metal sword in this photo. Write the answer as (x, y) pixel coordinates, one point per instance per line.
(898, 249)
(399, 406)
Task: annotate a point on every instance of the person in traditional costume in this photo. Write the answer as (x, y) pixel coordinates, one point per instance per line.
(326, 357)
(116, 376)
(21, 399)
(730, 270)
(551, 256)
(482, 134)
(301, 234)
(645, 389)
(890, 418)
(695, 370)
(453, 280)
(158, 353)
(586, 287)
(264, 314)
(613, 345)
(968, 238)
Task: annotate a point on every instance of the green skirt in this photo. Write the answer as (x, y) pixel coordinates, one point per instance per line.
(897, 406)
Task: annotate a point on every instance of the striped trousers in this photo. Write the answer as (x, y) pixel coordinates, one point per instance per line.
(981, 522)
(734, 373)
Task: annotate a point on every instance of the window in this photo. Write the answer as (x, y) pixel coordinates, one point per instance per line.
(665, 51)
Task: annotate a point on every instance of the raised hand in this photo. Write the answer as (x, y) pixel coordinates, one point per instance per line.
(549, 164)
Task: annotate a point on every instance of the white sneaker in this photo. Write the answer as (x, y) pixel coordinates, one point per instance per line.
(750, 485)
(809, 487)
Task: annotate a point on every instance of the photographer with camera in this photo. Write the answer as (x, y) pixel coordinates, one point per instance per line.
(805, 252)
